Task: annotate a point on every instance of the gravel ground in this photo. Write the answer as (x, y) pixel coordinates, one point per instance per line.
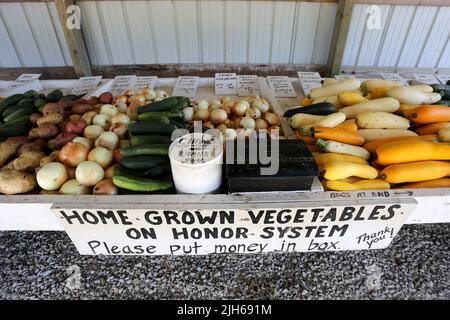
(34, 265)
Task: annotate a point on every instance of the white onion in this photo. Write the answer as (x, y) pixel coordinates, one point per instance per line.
(121, 106)
(161, 93)
(261, 124)
(101, 155)
(89, 173)
(109, 110)
(247, 123)
(225, 99)
(202, 114)
(214, 102)
(253, 112)
(262, 105)
(88, 117)
(108, 140)
(52, 176)
(92, 132)
(102, 120)
(72, 187)
(120, 118)
(240, 108)
(105, 187)
(149, 94)
(202, 104)
(85, 141)
(218, 116)
(188, 114)
(230, 134)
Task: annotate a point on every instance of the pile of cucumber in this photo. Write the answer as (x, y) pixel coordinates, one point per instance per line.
(144, 165)
(444, 91)
(15, 110)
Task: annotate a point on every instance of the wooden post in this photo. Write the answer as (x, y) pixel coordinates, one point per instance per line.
(340, 33)
(75, 41)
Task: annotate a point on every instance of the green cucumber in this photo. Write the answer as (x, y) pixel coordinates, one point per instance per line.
(73, 97)
(14, 129)
(151, 127)
(137, 140)
(14, 109)
(10, 101)
(179, 123)
(168, 104)
(55, 96)
(39, 96)
(145, 149)
(158, 170)
(122, 171)
(142, 162)
(39, 103)
(18, 113)
(25, 102)
(155, 115)
(30, 94)
(23, 119)
(161, 119)
(319, 109)
(141, 184)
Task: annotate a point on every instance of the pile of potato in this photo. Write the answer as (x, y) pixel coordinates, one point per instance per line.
(73, 147)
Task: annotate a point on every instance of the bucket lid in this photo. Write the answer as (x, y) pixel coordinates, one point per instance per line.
(195, 149)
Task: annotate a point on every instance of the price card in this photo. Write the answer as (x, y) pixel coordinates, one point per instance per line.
(225, 83)
(443, 78)
(281, 87)
(425, 78)
(309, 81)
(145, 82)
(24, 77)
(86, 84)
(121, 84)
(393, 77)
(186, 86)
(247, 85)
(344, 76)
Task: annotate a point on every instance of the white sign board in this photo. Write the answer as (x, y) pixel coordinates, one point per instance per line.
(86, 84)
(145, 82)
(393, 77)
(186, 86)
(24, 78)
(121, 84)
(443, 78)
(205, 231)
(248, 86)
(225, 83)
(309, 81)
(281, 86)
(425, 78)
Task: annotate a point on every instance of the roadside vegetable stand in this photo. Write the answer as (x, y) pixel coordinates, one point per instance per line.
(86, 127)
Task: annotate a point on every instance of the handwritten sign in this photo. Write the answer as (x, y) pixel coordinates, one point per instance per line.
(393, 77)
(186, 86)
(121, 84)
(309, 81)
(443, 78)
(145, 82)
(251, 230)
(425, 78)
(247, 85)
(281, 86)
(86, 84)
(23, 78)
(225, 83)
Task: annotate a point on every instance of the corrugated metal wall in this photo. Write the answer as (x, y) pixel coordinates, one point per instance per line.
(410, 36)
(145, 32)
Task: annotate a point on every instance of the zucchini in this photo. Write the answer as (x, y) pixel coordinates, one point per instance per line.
(55, 96)
(141, 184)
(443, 102)
(151, 127)
(18, 114)
(136, 140)
(14, 129)
(142, 162)
(168, 104)
(318, 109)
(10, 101)
(155, 115)
(158, 170)
(145, 149)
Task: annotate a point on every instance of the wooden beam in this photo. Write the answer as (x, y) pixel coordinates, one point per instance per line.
(46, 72)
(340, 33)
(75, 41)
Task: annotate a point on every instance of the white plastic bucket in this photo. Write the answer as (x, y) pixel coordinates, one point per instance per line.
(196, 161)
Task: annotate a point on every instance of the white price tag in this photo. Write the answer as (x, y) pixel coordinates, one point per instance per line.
(443, 78)
(309, 81)
(425, 78)
(121, 84)
(344, 76)
(247, 85)
(86, 84)
(393, 77)
(24, 77)
(186, 86)
(225, 83)
(145, 82)
(281, 87)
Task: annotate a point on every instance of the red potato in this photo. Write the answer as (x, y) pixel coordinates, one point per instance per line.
(66, 103)
(63, 138)
(37, 145)
(53, 107)
(116, 155)
(93, 101)
(82, 108)
(45, 131)
(19, 140)
(106, 98)
(34, 117)
(62, 126)
(76, 126)
(81, 101)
